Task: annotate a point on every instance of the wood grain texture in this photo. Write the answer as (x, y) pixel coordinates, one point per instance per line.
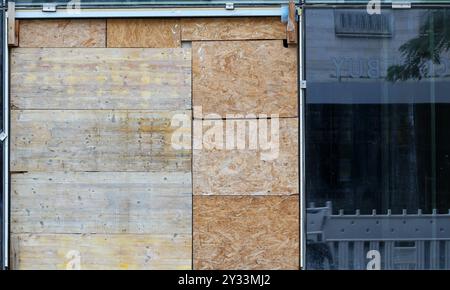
(124, 251)
(95, 140)
(101, 202)
(102, 78)
(143, 33)
(231, 77)
(232, 28)
(246, 232)
(63, 33)
(247, 171)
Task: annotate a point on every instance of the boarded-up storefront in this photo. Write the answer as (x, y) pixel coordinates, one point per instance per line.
(95, 176)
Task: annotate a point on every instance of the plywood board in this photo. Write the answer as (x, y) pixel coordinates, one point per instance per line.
(123, 251)
(143, 33)
(232, 28)
(101, 202)
(63, 33)
(86, 78)
(249, 171)
(243, 77)
(96, 140)
(246, 232)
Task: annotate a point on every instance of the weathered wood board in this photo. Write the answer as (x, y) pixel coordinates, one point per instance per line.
(62, 33)
(101, 202)
(124, 251)
(243, 77)
(246, 232)
(96, 140)
(143, 33)
(232, 28)
(249, 171)
(102, 78)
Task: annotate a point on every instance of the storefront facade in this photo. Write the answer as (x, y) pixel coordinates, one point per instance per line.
(360, 91)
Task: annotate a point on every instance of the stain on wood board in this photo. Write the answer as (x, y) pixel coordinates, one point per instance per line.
(98, 252)
(245, 77)
(232, 28)
(97, 140)
(63, 33)
(101, 202)
(102, 78)
(143, 33)
(256, 170)
(246, 232)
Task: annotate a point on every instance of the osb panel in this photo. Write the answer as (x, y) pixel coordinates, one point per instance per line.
(101, 202)
(63, 33)
(103, 78)
(143, 33)
(243, 77)
(248, 171)
(246, 232)
(123, 251)
(96, 140)
(232, 28)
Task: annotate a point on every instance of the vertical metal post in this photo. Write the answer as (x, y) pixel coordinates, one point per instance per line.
(5, 143)
(301, 110)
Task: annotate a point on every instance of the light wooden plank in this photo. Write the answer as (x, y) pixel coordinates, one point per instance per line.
(143, 33)
(96, 140)
(232, 28)
(231, 77)
(63, 33)
(123, 251)
(86, 78)
(246, 232)
(13, 25)
(248, 171)
(101, 202)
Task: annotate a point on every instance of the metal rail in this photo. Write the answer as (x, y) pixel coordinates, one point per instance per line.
(151, 12)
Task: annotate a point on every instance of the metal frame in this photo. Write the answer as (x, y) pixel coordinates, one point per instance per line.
(301, 139)
(5, 165)
(151, 12)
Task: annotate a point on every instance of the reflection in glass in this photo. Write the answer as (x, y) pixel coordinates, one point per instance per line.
(377, 139)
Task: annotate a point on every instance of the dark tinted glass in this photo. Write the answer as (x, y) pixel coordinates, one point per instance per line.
(377, 139)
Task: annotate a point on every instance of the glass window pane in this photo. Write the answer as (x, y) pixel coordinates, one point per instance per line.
(377, 142)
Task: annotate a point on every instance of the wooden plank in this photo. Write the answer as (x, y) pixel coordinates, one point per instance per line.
(123, 251)
(63, 33)
(246, 232)
(96, 140)
(143, 33)
(232, 28)
(292, 26)
(247, 171)
(242, 77)
(103, 78)
(101, 202)
(13, 29)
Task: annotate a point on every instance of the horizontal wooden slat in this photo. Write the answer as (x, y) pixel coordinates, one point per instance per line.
(249, 171)
(243, 77)
(91, 140)
(247, 232)
(232, 28)
(123, 251)
(63, 33)
(101, 202)
(80, 78)
(143, 33)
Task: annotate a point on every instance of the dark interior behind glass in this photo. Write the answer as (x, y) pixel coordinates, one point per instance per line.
(378, 138)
